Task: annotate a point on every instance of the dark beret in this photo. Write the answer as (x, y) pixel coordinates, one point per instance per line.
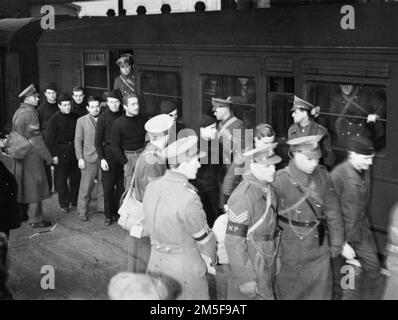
(114, 94)
(64, 97)
(167, 106)
(206, 120)
(51, 86)
(361, 145)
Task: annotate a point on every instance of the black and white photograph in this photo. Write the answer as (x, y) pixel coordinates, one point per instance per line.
(213, 150)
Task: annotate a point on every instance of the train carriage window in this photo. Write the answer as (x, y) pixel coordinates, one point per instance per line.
(160, 85)
(241, 89)
(95, 72)
(350, 109)
(280, 97)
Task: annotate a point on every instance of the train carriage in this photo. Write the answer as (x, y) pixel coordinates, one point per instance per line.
(261, 58)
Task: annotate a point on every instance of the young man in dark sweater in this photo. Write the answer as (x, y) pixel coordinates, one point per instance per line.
(112, 170)
(79, 102)
(128, 136)
(45, 111)
(60, 134)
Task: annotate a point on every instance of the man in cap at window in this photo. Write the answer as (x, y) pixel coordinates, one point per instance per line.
(231, 134)
(252, 236)
(351, 181)
(307, 205)
(359, 109)
(177, 222)
(125, 83)
(304, 114)
(30, 172)
(112, 170)
(150, 166)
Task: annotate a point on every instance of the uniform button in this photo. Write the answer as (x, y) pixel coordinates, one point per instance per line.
(157, 247)
(348, 132)
(360, 124)
(298, 211)
(316, 236)
(350, 123)
(357, 134)
(318, 205)
(168, 249)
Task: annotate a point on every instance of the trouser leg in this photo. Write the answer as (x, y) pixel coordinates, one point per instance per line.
(100, 190)
(130, 167)
(119, 189)
(61, 173)
(35, 213)
(74, 181)
(86, 185)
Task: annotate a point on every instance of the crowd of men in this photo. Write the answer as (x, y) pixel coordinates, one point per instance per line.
(284, 234)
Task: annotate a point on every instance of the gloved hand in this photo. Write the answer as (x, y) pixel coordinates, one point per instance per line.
(372, 117)
(104, 165)
(82, 164)
(249, 289)
(348, 252)
(55, 160)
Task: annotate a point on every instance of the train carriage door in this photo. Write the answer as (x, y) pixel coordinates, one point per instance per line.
(96, 72)
(280, 84)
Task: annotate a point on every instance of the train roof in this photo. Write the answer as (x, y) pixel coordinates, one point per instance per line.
(376, 26)
(10, 27)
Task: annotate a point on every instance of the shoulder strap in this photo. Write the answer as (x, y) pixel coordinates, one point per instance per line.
(125, 82)
(301, 188)
(227, 124)
(262, 218)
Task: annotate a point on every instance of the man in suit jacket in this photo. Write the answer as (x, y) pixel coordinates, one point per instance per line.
(88, 161)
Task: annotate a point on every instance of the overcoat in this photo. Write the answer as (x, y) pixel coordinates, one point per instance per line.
(179, 234)
(30, 172)
(305, 263)
(252, 257)
(10, 217)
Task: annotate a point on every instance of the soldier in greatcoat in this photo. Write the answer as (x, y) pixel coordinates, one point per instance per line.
(304, 114)
(30, 172)
(252, 235)
(177, 222)
(310, 216)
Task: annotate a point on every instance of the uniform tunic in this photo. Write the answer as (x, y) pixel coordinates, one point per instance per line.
(29, 172)
(253, 257)
(360, 103)
(175, 218)
(126, 85)
(60, 137)
(305, 264)
(314, 128)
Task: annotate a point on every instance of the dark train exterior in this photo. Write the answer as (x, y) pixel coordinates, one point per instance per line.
(261, 57)
(18, 63)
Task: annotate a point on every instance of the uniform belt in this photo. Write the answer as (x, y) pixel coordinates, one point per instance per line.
(167, 248)
(306, 224)
(265, 237)
(65, 142)
(134, 151)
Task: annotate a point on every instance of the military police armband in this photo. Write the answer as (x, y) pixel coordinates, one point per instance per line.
(236, 229)
(202, 235)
